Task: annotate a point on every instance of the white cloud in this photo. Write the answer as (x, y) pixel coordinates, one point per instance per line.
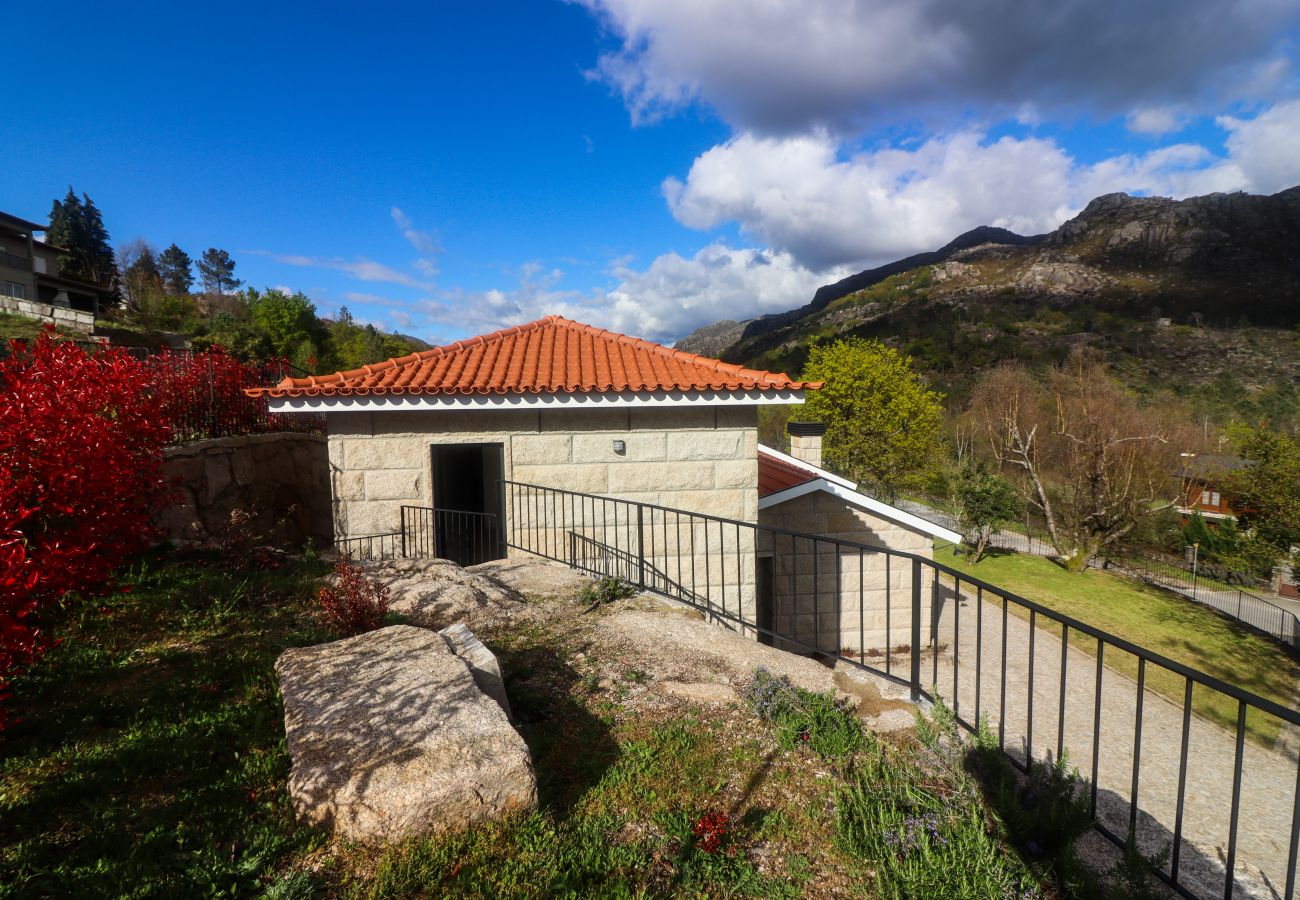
(424, 241)
(807, 195)
(360, 268)
(668, 299)
(1267, 147)
(675, 295)
(786, 65)
(1156, 120)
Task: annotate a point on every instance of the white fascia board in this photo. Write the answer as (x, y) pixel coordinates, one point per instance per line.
(1203, 513)
(392, 402)
(807, 467)
(871, 504)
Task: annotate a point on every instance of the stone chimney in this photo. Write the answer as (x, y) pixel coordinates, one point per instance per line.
(806, 441)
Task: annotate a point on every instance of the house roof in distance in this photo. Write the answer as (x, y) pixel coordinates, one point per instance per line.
(550, 356)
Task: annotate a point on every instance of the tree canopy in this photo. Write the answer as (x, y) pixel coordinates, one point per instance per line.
(883, 424)
(174, 265)
(77, 226)
(217, 271)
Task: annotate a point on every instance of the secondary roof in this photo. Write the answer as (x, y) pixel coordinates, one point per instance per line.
(782, 478)
(552, 356)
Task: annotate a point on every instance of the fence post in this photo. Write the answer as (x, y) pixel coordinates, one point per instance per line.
(402, 510)
(916, 630)
(640, 545)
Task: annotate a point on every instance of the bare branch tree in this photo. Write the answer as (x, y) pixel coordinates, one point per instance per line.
(1091, 458)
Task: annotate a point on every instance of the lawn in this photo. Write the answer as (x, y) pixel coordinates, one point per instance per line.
(1157, 620)
(14, 327)
(150, 762)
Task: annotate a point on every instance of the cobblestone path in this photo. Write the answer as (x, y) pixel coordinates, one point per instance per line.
(1269, 776)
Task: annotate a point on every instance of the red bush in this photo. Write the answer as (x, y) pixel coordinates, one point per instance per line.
(202, 395)
(81, 439)
(711, 830)
(355, 604)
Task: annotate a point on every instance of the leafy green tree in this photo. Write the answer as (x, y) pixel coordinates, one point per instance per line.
(175, 267)
(985, 502)
(883, 425)
(1267, 488)
(217, 271)
(289, 323)
(77, 226)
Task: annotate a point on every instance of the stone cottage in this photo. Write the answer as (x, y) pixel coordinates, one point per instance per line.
(855, 601)
(568, 407)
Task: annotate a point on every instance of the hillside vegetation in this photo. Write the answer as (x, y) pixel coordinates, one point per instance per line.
(1197, 298)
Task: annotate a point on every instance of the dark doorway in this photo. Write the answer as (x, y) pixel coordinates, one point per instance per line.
(469, 516)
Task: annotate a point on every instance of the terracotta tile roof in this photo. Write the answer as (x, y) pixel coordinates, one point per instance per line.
(776, 474)
(551, 355)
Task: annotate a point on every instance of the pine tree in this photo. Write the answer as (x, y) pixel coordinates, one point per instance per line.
(175, 268)
(217, 271)
(77, 226)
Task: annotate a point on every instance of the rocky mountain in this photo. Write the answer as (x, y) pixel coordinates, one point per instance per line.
(1174, 291)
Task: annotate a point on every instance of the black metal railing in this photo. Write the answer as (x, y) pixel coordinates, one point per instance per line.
(464, 537)
(1188, 581)
(371, 546)
(991, 654)
(14, 261)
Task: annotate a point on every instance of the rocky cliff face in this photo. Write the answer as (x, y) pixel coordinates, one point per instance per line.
(1218, 259)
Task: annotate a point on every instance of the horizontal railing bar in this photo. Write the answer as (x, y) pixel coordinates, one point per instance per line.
(1261, 703)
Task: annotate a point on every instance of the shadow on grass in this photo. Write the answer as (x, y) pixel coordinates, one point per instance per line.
(571, 748)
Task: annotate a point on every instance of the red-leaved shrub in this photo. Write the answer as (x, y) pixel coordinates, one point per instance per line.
(710, 831)
(353, 605)
(81, 440)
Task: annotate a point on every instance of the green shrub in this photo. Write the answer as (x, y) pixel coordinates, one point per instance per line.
(802, 718)
(606, 590)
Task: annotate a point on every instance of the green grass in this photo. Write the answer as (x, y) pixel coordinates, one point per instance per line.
(150, 758)
(150, 762)
(1157, 620)
(14, 327)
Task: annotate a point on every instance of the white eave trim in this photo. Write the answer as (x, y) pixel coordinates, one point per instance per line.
(388, 402)
(806, 466)
(871, 504)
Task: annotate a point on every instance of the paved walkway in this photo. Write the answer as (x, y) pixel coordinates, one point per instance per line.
(1268, 777)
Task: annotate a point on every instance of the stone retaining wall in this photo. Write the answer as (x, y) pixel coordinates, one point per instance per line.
(62, 316)
(267, 488)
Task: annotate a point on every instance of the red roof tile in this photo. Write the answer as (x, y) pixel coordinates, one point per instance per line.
(551, 355)
(775, 474)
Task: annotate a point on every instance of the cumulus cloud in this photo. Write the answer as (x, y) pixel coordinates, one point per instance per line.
(784, 66)
(807, 195)
(1264, 149)
(668, 299)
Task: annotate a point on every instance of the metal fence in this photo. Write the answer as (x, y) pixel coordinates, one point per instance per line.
(464, 537)
(1179, 576)
(1141, 726)
(203, 395)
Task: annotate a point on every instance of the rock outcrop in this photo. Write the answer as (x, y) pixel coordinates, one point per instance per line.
(391, 737)
(436, 593)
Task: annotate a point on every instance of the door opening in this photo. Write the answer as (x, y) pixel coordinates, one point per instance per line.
(469, 513)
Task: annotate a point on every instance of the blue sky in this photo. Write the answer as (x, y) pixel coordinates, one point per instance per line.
(444, 169)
